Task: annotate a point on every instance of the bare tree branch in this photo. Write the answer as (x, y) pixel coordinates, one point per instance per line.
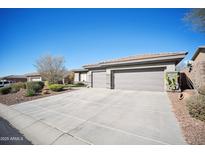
(51, 68)
(196, 18)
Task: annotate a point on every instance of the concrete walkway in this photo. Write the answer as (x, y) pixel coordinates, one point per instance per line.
(97, 116)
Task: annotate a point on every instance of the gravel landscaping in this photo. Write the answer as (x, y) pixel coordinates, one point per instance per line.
(193, 129)
(19, 97)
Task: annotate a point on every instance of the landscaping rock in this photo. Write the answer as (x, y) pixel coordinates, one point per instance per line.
(20, 96)
(192, 128)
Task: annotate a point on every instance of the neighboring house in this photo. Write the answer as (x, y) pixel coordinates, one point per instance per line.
(33, 77)
(80, 75)
(15, 78)
(197, 71)
(143, 72)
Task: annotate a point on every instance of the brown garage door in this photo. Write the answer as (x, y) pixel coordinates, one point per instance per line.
(99, 79)
(151, 79)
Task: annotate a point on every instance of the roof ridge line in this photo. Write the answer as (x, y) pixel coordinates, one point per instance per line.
(139, 56)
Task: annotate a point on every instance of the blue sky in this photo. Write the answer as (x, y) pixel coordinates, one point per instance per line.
(85, 36)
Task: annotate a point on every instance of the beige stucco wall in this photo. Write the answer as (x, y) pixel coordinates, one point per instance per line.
(34, 78)
(89, 78)
(76, 77)
(198, 70)
(80, 77)
(83, 77)
(200, 57)
(197, 74)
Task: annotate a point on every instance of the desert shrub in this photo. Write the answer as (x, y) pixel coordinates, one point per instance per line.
(5, 90)
(171, 79)
(56, 87)
(196, 106)
(80, 84)
(33, 87)
(36, 86)
(201, 90)
(30, 92)
(15, 87)
(41, 84)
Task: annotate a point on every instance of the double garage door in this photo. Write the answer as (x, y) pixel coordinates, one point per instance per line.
(137, 79)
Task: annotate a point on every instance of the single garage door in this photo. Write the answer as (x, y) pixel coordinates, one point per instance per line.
(151, 79)
(99, 79)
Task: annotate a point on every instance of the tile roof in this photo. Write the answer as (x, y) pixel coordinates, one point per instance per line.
(14, 76)
(137, 57)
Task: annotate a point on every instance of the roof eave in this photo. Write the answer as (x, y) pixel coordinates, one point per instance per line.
(14, 77)
(79, 70)
(175, 59)
(197, 52)
(33, 75)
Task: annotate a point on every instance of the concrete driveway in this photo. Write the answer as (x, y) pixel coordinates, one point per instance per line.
(98, 116)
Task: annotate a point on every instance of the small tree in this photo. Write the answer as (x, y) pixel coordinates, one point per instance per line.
(196, 17)
(51, 68)
(69, 78)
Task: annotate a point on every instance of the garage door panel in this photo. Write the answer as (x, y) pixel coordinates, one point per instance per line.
(144, 79)
(99, 80)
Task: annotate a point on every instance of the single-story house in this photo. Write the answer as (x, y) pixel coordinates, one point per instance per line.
(33, 77)
(141, 72)
(15, 78)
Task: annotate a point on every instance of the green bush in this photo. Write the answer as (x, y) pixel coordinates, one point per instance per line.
(30, 92)
(36, 86)
(196, 106)
(56, 87)
(201, 90)
(80, 84)
(40, 83)
(15, 87)
(5, 90)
